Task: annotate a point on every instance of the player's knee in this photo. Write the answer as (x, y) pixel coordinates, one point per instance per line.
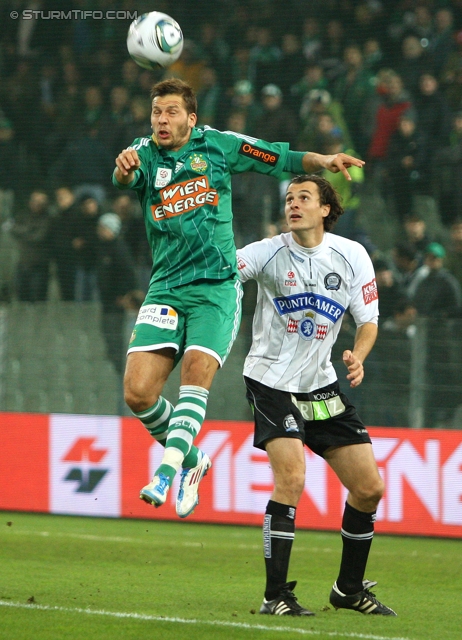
(138, 396)
(290, 484)
(369, 493)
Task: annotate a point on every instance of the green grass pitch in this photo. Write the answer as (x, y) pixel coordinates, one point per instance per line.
(96, 579)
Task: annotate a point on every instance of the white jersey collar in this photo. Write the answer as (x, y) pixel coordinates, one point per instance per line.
(305, 251)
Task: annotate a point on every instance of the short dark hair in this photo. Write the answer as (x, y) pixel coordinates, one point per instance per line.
(176, 87)
(327, 195)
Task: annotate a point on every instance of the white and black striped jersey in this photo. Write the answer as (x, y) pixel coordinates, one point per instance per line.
(302, 297)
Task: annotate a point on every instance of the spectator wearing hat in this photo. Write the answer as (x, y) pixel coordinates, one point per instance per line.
(276, 122)
(438, 299)
(438, 295)
(117, 284)
(243, 100)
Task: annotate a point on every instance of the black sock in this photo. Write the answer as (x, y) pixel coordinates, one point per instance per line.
(357, 533)
(278, 536)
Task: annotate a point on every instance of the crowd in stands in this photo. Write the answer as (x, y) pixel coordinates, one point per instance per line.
(382, 80)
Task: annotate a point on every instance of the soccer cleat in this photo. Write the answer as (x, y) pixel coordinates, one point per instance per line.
(368, 584)
(364, 601)
(155, 492)
(285, 604)
(188, 493)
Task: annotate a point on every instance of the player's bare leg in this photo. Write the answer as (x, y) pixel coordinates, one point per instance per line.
(197, 373)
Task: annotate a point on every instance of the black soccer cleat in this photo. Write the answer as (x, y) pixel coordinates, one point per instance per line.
(364, 601)
(285, 604)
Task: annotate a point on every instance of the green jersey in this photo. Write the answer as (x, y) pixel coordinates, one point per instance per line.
(185, 196)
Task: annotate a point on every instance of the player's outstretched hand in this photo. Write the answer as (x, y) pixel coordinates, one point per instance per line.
(355, 368)
(127, 161)
(341, 162)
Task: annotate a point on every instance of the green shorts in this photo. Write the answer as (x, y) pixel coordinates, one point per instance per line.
(203, 315)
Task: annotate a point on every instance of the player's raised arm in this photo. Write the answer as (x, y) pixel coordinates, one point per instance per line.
(127, 162)
(313, 162)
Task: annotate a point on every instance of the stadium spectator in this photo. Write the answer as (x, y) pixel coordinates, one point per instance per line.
(433, 112)
(438, 299)
(453, 259)
(31, 230)
(352, 89)
(85, 243)
(389, 289)
(83, 165)
(407, 267)
(451, 75)
(117, 285)
(405, 164)
(64, 228)
(211, 100)
(447, 174)
(415, 232)
(294, 393)
(442, 41)
(243, 99)
(412, 64)
(293, 67)
(180, 268)
(264, 58)
(439, 294)
(312, 78)
(115, 120)
(395, 100)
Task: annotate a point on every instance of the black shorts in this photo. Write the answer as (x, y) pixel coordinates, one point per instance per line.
(320, 419)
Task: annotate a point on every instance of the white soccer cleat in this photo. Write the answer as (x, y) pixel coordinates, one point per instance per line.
(188, 494)
(155, 492)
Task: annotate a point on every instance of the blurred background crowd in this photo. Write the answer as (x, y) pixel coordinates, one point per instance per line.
(379, 79)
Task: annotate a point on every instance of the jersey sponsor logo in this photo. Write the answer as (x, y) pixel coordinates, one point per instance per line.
(292, 282)
(370, 292)
(184, 196)
(252, 151)
(240, 263)
(290, 274)
(158, 315)
(290, 424)
(307, 328)
(332, 281)
(309, 301)
(198, 163)
(163, 177)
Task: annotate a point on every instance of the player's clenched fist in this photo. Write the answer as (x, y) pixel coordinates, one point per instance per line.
(127, 162)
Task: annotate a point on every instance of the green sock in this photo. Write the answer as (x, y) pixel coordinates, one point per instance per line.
(185, 423)
(156, 420)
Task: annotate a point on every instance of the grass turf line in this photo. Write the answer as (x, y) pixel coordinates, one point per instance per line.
(212, 575)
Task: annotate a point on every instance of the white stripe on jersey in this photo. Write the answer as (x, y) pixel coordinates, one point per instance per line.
(302, 297)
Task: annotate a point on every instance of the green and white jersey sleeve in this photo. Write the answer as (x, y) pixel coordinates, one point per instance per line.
(185, 196)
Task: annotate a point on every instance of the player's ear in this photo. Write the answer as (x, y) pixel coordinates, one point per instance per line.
(192, 118)
(325, 210)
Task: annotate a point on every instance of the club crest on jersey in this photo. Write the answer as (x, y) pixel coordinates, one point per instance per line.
(163, 177)
(198, 163)
(370, 292)
(332, 281)
(307, 327)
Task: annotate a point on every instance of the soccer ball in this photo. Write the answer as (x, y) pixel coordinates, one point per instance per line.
(154, 40)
